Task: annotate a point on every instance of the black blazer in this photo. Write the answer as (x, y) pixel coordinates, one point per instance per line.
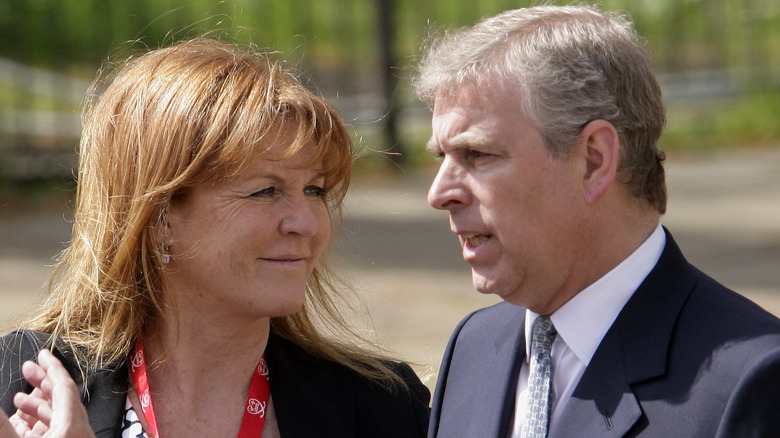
(686, 357)
(311, 396)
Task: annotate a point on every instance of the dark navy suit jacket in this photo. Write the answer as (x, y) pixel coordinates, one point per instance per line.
(686, 357)
(312, 397)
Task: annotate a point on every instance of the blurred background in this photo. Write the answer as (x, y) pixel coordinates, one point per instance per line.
(718, 62)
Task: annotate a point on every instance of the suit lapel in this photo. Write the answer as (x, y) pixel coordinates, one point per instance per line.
(603, 403)
(634, 349)
(486, 354)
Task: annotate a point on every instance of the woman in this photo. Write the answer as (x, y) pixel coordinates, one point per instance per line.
(194, 298)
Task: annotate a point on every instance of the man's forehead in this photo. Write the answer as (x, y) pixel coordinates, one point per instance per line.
(459, 119)
(467, 94)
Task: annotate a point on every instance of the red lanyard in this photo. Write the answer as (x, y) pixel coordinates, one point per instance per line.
(256, 402)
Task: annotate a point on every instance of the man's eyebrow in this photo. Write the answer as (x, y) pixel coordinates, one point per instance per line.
(461, 142)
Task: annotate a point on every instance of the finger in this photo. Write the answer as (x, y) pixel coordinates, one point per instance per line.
(50, 363)
(32, 409)
(57, 375)
(21, 427)
(67, 411)
(36, 375)
(39, 429)
(26, 419)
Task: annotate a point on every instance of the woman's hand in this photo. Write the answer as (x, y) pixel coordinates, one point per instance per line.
(54, 407)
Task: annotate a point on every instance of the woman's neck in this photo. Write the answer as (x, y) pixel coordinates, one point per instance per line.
(192, 352)
(203, 371)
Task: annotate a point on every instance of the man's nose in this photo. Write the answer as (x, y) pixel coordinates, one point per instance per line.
(448, 190)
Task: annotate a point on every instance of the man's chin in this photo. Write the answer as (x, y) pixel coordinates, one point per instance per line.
(483, 284)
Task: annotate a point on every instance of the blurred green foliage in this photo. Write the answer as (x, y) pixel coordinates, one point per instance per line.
(746, 119)
(335, 43)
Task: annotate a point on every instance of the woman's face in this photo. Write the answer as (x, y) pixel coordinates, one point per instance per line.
(247, 247)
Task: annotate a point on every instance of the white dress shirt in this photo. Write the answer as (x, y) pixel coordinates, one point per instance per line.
(581, 324)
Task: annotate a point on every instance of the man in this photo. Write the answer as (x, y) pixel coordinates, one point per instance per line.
(546, 121)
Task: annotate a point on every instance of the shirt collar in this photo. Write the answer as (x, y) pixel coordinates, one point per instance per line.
(584, 320)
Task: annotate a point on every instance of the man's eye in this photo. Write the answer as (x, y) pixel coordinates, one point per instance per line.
(315, 191)
(472, 154)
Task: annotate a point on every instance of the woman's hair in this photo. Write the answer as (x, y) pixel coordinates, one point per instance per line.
(197, 112)
(568, 65)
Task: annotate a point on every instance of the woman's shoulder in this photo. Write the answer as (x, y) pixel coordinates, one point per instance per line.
(285, 355)
(22, 345)
(24, 341)
(103, 393)
(389, 409)
(333, 394)
(16, 348)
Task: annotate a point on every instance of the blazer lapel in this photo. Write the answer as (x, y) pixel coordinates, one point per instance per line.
(603, 403)
(482, 374)
(106, 397)
(634, 349)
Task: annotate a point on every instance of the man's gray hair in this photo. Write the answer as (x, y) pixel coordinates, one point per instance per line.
(570, 65)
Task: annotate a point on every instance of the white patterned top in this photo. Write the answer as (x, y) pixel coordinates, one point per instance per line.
(131, 424)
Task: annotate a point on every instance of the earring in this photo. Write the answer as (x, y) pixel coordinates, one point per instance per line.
(166, 258)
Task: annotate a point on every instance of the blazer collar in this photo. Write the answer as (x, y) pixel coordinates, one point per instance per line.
(634, 349)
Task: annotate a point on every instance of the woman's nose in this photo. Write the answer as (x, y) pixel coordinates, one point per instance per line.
(300, 218)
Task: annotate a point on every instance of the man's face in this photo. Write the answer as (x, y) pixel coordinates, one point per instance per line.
(515, 209)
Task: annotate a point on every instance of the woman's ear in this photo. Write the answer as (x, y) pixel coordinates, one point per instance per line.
(161, 232)
(162, 229)
(602, 155)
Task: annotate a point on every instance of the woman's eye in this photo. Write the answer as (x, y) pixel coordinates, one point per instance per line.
(264, 193)
(315, 191)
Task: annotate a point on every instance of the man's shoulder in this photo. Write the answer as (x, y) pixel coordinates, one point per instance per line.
(499, 315)
(501, 322)
(677, 297)
(724, 311)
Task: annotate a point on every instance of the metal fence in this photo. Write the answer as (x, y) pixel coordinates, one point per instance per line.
(356, 51)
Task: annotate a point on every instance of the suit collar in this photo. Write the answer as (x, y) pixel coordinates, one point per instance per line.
(646, 324)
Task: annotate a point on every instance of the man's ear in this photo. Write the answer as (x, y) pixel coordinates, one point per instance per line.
(602, 155)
